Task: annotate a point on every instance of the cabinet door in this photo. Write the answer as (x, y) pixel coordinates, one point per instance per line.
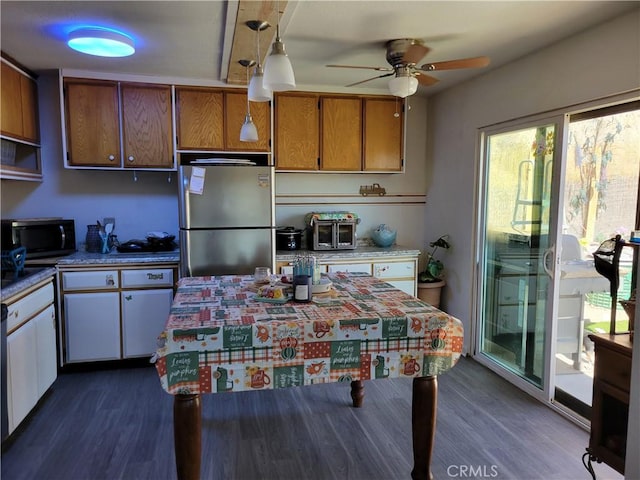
(19, 102)
(341, 134)
(146, 126)
(383, 134)
(45, 353)
(144, 315)
(235, 110)
(297, 127)
(199, 119)
(92, 123)
(11, 104)
(22, 372)
(92, 326)
(29, 99)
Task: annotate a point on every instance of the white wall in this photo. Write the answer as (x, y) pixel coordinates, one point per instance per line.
(602, 61)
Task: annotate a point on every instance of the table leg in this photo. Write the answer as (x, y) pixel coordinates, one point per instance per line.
(187, 435)
(357, 392)
(423, 423)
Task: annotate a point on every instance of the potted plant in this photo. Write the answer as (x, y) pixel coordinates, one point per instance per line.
(430, 280)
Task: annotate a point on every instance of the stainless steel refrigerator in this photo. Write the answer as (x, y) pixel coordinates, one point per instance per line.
(227, 217)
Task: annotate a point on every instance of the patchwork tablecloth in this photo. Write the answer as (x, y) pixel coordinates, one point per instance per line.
(218, 338)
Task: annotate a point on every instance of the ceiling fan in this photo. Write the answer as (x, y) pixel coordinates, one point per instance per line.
(403, 55)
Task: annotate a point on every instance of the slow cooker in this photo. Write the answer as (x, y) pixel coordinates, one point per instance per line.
(288, 238)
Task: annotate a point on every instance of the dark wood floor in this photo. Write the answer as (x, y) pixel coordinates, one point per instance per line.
(117, 424)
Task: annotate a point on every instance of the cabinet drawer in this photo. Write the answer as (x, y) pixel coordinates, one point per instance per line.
(394, 270)
(25, 308)
(95, 280)
(613, 368)
(350, 268)
(147, 277)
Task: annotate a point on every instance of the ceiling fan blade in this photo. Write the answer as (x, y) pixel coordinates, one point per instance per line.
(426, 80)
(369, 79)
(378, 69)
(474, 62)
(415, 53)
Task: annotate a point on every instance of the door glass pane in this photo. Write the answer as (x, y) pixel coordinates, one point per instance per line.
(600, 201)
(516, 227)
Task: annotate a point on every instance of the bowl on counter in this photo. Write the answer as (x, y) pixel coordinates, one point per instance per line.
(383, 236)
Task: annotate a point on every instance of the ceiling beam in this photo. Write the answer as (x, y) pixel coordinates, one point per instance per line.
(244, 45)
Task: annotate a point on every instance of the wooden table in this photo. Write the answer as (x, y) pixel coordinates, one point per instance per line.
(220, 338)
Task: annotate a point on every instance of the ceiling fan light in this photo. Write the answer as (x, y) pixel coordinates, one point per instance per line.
(101, 42)
(403, 86)
(278, 72)
(257, 92)
(248, 132)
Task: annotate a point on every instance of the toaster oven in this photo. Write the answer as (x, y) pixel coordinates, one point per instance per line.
(333, 235)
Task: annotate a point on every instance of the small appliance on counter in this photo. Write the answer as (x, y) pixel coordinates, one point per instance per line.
(288, 238)
(41, 237)
(331, 230)
(155, 242)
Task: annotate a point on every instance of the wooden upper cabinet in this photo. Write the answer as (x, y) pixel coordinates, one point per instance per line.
(146, 126)
(341, 133)
(19, 100)
(235, 111)
(199, 118)
(92, 123)
(383, 140)
(296, 129)
(211, 119)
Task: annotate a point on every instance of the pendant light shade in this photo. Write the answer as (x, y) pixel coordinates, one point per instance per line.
(248, 132)
(403, 86)
(278, 72)
(257, 92)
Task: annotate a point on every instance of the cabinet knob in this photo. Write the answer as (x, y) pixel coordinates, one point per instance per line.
(112, 158)
(130, 158)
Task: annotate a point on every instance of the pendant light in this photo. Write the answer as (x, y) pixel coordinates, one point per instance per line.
(248, 132)
(278, 72)
(257, 92)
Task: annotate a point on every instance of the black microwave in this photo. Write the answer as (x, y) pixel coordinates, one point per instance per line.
(42, 237)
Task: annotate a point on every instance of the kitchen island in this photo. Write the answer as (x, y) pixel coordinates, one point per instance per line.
(220, 338)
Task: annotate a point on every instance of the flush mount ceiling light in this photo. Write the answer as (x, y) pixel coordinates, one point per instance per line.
(403, 84)
(257, 92)
(278, 72)
(248, 132)
(102, 42)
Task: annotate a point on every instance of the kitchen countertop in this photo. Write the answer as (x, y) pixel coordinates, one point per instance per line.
(360, 253)
(85, 258)
(34, 276)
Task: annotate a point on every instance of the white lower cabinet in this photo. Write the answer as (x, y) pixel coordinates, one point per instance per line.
(114, 313)
(92, 326)
(31, 351)
(46, 358)
(22, 370)
(144, 315)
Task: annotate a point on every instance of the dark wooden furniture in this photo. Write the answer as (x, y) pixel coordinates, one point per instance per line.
(610, 406)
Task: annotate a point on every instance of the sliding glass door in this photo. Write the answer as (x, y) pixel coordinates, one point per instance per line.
(552, 189)
(515, 237)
